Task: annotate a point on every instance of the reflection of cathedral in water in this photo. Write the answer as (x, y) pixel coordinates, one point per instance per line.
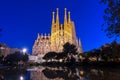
(35, 75)
(60, 73)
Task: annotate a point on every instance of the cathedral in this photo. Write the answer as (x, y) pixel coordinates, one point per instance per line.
(60, 34)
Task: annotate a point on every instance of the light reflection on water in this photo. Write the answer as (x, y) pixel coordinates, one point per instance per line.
(60, 73)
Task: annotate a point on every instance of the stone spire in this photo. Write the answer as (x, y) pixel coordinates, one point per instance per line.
(79, 42)
(69, 19)
(80, 45)
(57, 17)
(53, 17)
(48, 35)
(53, 23)
(41, 35)
(38, 36)
(45, 36)
(65, 16)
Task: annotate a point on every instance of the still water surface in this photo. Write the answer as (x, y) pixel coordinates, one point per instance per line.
(60, 73)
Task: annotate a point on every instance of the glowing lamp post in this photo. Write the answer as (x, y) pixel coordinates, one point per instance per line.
(21, 78)
(24, 50)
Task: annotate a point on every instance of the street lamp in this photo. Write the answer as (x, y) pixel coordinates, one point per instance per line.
(24, 50)
(21, 78)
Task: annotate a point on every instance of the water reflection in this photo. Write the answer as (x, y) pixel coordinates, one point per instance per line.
(72, 73)
(60, 73)
(13, 74)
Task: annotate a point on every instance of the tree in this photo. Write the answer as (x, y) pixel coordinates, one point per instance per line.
(112, 18)
(106, 52)
(24, 57)
(94, 53)
(16, 57)
(69, 51)
(60, 55)
(115, 48)
(97, 54)
(1, 58)
(111, 52)
(69, 48)
(50, 56)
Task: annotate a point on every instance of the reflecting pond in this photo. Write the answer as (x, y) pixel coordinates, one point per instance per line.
(60, 73)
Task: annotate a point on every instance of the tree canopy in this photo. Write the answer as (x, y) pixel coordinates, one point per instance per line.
(16, 57)
(50, 55)
(69, 51)
(112, 18)
(69, 48)
(68, 54)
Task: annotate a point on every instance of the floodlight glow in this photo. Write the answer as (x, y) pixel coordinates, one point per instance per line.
(21, 78)
(24, 50)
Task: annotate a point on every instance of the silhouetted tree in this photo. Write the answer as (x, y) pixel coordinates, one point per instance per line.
(111, 52)
(50, 56)
(94, 53)
(69, 48)
(60, 55)
(106, 51)
(115, 48)
(25, 57)
(1, 58)
(112, 17)
(16, 57)
(97, 54)
(69, 51)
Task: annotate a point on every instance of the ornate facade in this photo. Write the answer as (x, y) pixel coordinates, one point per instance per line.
(60, 34)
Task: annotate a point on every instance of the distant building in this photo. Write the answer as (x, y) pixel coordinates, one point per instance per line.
(4, 49)
(33, 58)
(13, 50)
(60, 34)
(106, 45)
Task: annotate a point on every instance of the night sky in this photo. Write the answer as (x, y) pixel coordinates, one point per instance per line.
(22, 20)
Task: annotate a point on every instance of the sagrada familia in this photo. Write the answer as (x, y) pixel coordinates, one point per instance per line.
(60, 34)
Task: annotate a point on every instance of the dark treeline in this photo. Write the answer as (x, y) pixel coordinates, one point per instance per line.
(14, 58)
(106, 53)
(68, 54)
